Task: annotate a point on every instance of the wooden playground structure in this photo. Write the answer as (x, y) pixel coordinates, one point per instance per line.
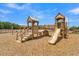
(60, 23)
(60, 29)
(34, 26)
(31, 33)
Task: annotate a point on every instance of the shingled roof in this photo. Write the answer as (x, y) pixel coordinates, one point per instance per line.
(59, 15)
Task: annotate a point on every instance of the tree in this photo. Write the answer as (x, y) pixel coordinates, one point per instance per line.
(8, 25)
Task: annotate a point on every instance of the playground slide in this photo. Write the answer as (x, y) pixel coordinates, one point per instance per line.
(54, 37)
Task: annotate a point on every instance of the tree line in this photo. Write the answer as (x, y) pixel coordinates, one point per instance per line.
(8, 25)
(74, 27)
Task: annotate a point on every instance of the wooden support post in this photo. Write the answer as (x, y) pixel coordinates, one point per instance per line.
(16, 35)
(12, 30)
(37, 29)
(32, 30)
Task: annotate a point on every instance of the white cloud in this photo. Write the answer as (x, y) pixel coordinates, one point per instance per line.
(13, 5)
(72, 20)
(37, 14)
(42, 14)
(34, 12)
(16, 6)
(75, 11)
(4, 11)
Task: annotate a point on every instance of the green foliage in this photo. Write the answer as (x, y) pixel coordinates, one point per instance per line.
(74, 27)
(41, 27)
(8, 25)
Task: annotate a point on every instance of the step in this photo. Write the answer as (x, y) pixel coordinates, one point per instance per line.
(26, 38)
(19, 41)
(27, 35)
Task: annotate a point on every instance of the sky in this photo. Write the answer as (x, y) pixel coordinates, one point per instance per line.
(43, 12)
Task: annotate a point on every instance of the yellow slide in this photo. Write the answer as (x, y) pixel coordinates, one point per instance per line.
(54, 37)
